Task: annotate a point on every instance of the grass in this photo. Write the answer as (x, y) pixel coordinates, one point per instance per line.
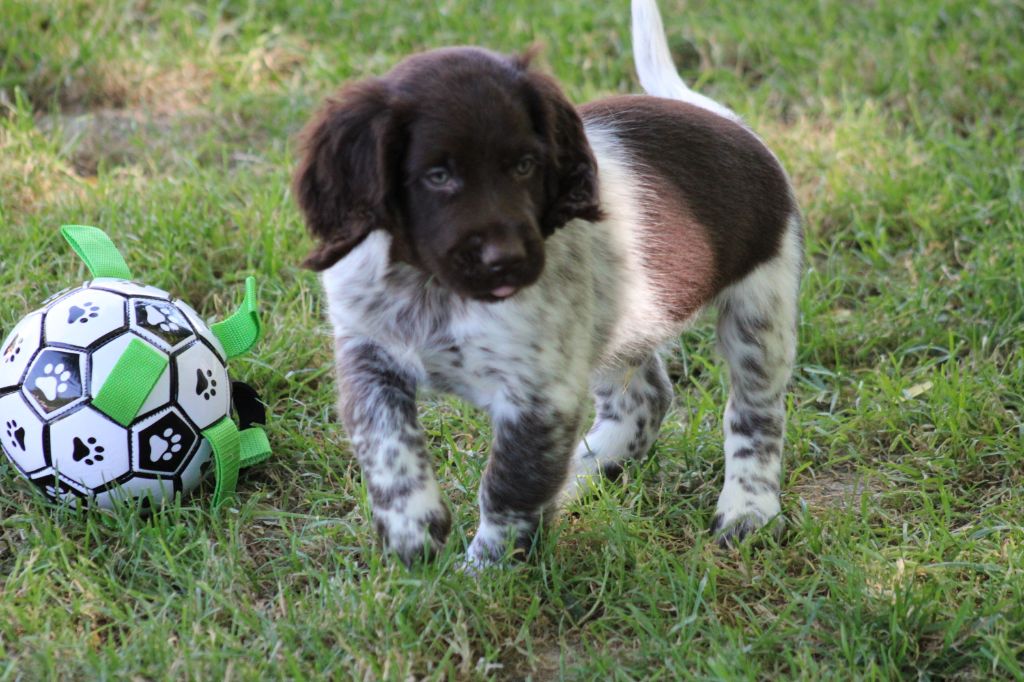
(172, 126)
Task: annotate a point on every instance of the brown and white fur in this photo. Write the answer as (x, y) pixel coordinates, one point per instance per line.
(480, 236)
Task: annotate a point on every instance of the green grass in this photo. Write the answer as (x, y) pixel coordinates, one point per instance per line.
(172, 126)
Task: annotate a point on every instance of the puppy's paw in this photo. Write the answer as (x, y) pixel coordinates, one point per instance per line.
(742, 510)
(484, 552)
(413, 537)
(577, 487)
(585, 472)
(497, 541)
(475, 564)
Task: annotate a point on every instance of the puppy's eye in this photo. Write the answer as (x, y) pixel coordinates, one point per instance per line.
(438, 176)
(525, 166)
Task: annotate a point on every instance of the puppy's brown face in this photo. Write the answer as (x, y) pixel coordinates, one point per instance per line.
(468, 158)
(473, 186)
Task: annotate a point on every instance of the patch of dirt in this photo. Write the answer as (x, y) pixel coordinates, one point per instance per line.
(544, 667)
(125, 84)
(32, 178)
(122, 136)
(832, 489)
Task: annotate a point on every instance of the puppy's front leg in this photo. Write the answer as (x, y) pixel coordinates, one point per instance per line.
(377, 403)
(529, 464)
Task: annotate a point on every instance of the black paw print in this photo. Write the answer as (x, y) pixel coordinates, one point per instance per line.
(90, 311)
(88, 451)
(16, 434)
(13, 349)
(206, 385)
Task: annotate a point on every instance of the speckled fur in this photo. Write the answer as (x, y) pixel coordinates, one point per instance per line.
(612, 293)
(591, 324)
(528, 361)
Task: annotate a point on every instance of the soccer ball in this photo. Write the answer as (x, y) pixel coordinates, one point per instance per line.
(53, 365)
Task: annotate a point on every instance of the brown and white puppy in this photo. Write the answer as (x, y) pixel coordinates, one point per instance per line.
(481, 236)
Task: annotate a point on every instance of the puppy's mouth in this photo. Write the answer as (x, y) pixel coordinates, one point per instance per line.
(504, 291)
(474, 281)
(497, 290)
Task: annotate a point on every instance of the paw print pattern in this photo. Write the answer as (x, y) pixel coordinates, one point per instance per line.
(55, 489)
(165, 443)
(54, 382)
(206, 385)
(163, 317)
(16, 434)
(13, 349)
(164, 446)
(88, 311)
(163, 320)
(87, 450)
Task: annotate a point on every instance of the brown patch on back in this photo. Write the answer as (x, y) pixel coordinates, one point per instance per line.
(680, 258)
(723, 200)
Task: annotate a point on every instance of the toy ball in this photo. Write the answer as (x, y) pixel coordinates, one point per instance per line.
(106, 392)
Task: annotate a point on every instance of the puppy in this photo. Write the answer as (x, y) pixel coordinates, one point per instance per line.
(479, 235)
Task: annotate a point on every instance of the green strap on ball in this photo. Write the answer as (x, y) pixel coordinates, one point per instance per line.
(95, 248)
(241, 331)
(139, 368)
(227, 458)
(234, 450)
(130, 382)
(255, 446)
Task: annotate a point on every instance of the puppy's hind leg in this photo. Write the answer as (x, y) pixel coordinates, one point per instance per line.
(631, 402)
(757, 336)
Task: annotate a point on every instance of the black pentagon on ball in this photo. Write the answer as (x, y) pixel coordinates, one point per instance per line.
(165, 445)
(56, 488)
(162, 320)
(55, 381)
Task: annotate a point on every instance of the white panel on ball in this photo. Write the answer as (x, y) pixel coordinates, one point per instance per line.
(89, 449)
(103, 361)
(84, 317)
(202, 328)
(52, 298)
(16, 351)
(160, 322)
(21, 434)
(123, 286)
(203, 388)
(197, 467)
(155, 490)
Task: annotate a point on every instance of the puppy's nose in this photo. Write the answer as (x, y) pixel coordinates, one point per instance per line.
(502, 253)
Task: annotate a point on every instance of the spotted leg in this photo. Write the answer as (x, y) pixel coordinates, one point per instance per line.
(377, 403)
(529, 463)
(757, 336)
(631, 402)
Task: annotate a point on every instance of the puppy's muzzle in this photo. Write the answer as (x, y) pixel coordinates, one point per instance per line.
(496, 263)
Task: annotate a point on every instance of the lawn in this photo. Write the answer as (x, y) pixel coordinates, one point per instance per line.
(172, 125)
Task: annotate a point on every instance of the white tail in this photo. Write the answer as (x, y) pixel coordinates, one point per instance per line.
(654, 66)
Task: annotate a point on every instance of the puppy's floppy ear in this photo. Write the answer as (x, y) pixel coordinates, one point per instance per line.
(571, 171)
(343, 180)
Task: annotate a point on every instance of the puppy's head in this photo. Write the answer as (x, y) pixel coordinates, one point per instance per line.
(469, 159)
